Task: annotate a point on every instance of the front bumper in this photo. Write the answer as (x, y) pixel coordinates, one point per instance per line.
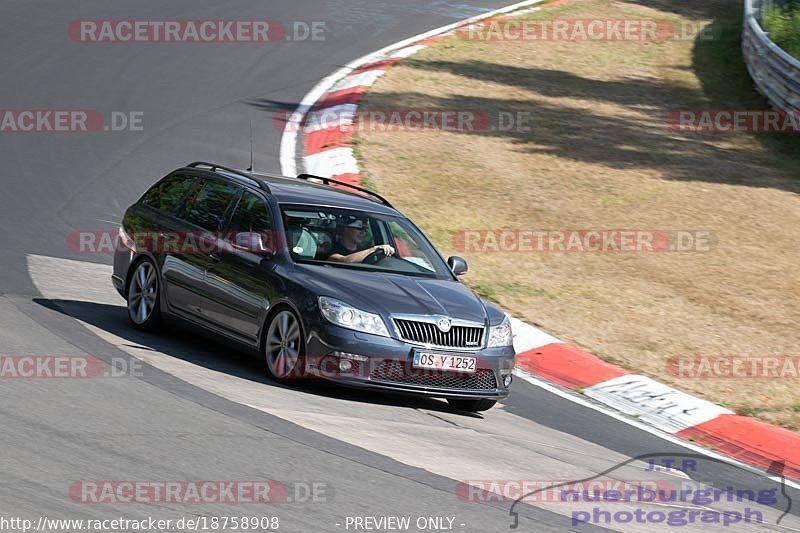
(385, 363)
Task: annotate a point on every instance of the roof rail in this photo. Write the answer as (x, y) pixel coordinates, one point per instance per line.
(214, 167)
(327, 181)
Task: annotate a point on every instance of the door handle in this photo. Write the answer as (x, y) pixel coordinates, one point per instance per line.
(215, 257)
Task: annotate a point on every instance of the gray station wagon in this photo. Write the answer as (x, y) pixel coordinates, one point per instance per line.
(323, 279)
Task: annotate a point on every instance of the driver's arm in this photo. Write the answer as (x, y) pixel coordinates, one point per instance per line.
(357, 257)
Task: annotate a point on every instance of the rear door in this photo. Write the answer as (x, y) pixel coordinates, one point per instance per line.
(193, 243)
(241, 284)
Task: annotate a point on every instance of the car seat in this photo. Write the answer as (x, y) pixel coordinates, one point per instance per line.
(301, 243)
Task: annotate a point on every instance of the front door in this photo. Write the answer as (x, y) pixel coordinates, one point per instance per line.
(241, 284)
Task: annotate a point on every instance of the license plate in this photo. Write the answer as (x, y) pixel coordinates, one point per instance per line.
(439, 361)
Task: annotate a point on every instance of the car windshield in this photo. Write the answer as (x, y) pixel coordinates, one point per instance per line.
(362, 240)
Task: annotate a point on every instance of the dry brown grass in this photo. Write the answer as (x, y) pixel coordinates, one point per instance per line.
(599, 155)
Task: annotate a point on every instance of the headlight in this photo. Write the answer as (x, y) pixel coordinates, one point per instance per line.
(349, 317)
(501, 335)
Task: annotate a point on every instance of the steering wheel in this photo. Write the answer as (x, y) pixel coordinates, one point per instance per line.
(375, 257)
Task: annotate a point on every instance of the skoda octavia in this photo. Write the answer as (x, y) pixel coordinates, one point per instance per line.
(321, 278)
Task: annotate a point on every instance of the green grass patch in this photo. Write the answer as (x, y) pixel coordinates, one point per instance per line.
(783, 25)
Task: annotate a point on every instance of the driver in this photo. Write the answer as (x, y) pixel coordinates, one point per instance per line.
(349, 247)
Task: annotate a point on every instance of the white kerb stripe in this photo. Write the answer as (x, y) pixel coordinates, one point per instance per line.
(655, 403)
(331, 163)
(362, 79)
(527, 337)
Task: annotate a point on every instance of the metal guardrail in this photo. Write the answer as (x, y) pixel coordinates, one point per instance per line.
(775, 72)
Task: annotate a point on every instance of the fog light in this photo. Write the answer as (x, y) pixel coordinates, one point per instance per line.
(345, 365)
(507, 381)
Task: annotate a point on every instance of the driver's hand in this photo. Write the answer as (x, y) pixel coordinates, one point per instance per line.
(387, 249)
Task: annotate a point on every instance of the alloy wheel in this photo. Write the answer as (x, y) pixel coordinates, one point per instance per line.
(283, 344)
(142, 293)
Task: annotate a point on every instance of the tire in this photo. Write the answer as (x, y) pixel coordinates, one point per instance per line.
(284, 347)
(143, 296)
(482, 404)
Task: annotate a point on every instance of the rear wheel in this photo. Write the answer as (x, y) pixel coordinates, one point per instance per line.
(482, 404)
(143, 297)
(283, 347)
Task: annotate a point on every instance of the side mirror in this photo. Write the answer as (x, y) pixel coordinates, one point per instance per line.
(457, 264)
(255, 243)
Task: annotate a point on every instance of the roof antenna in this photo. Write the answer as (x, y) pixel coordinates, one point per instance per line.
(250, 168)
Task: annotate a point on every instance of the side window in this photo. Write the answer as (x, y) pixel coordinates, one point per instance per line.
(166, 195)
(251, 215)
(210, 205)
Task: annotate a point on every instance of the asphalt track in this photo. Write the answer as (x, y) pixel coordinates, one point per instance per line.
(195, 410)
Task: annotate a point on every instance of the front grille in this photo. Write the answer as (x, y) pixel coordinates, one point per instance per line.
(429, 333)
(398, 372)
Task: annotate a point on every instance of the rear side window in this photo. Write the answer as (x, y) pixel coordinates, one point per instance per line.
(210, 205)
(166, 195)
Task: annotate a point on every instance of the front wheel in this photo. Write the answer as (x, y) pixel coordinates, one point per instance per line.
(284, 346)
(143, 297)
(482, 404)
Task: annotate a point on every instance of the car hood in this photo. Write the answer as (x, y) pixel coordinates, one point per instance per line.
(390, 294)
